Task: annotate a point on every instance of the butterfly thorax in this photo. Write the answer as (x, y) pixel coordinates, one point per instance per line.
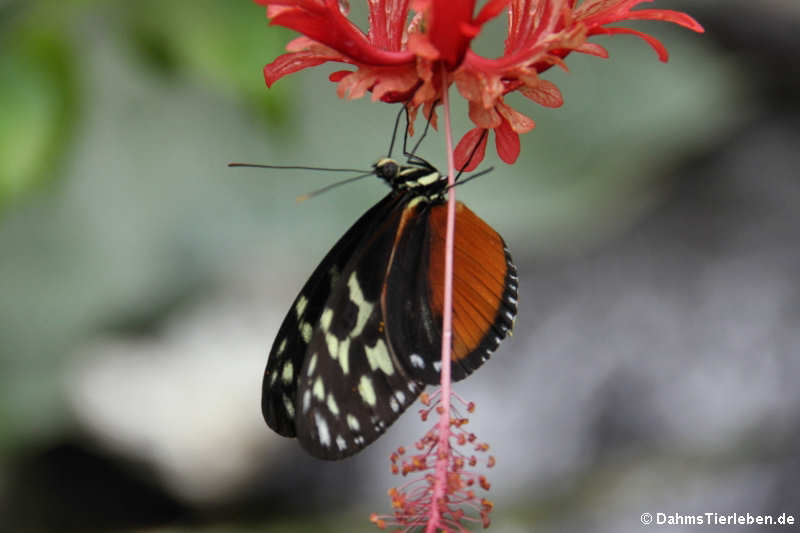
(420, 177)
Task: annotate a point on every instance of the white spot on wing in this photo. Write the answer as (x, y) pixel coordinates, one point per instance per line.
(340, 443)
(394, 405)
(352, 423)
(306, 400)
(401, 397)
(437, 365)
(417, 361)
(322, 430)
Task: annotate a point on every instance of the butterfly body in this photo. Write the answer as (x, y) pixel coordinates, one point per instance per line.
(363, 337)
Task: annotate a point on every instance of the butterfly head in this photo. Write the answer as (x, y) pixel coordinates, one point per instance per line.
(418, 175)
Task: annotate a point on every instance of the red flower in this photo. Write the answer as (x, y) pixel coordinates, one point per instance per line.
(400, 61)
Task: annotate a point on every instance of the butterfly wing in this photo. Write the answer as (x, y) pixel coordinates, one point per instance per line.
(484, 293)
(289, 351)
(352, 386)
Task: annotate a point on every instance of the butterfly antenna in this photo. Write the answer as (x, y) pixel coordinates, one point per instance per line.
(293, 167)
(471, 155)
(304, 197)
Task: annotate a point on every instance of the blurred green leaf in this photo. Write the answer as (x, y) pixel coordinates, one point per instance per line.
(37, 96)
(226, 43)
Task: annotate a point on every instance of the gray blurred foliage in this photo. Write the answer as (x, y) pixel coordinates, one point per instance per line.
(129, 254)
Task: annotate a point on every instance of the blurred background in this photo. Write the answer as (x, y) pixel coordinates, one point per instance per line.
(654, 220)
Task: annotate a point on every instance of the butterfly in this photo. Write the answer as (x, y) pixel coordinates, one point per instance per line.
(363, 337)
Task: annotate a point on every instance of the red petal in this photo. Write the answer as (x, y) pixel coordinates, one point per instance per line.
(666, 15)
(593, 49)
(331, 28)
(387, 23)
(544, 93)
(660, 49)
(507, 142)
(289, 63)
(483, 117)
(338, 75)
(461, 155)
(396, 80)
(516, 120)
(490, 10)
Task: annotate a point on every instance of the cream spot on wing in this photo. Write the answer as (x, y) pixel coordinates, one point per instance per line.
(334, 408)
(428, 179)
(325, 319)
(378, 357)
(305, 331)
(282, 346)
(333, 345)
(344, 355)
(312, 364)
(364, 307)
(300, 307)
(352, 423)
(288, 372)
(366, 391)
(287, 403)
(319, 389)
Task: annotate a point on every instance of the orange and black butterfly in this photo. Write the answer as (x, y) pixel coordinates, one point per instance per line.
(363, 337)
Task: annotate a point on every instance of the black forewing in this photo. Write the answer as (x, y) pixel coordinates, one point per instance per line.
(288, 353)
(351, 386)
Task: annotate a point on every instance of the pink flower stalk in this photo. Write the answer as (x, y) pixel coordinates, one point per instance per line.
(414, 49)
(416, 501)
